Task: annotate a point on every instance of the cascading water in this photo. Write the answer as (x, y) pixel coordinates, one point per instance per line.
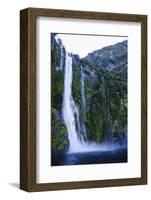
(69, 107)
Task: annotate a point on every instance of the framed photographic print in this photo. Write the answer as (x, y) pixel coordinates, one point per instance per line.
(83, 99)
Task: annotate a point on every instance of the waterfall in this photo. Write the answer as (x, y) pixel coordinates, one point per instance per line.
(69, 108)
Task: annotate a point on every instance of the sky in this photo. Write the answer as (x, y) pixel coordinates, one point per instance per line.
(84, 44)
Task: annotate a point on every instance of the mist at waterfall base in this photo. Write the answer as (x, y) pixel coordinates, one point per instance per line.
(93, 154)
(81, 150)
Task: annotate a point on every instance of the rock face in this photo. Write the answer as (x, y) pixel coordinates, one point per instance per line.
(99, 89)
(109, 57)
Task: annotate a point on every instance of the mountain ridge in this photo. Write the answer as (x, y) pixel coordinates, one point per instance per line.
(109, 57)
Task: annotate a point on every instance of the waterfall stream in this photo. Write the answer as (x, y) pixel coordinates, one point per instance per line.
(69, 108)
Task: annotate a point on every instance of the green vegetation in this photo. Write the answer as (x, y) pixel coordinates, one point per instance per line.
(59, 137)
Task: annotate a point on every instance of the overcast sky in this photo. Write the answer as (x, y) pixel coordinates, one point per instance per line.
(84, 44)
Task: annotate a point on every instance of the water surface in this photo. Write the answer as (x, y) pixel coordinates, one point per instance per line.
(96, 157)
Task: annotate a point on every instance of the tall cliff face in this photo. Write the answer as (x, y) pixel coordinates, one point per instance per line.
(99, 89)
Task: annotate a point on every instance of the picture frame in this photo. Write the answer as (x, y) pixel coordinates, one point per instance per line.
(28, 98)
